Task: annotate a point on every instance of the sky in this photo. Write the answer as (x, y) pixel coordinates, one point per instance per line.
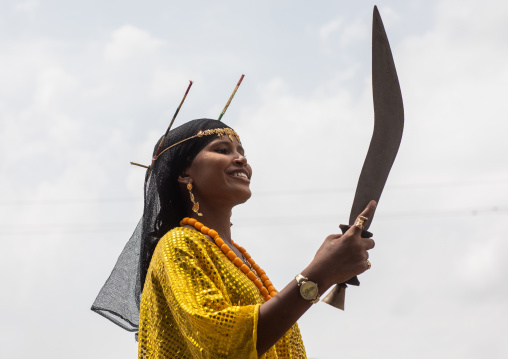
(86, 87)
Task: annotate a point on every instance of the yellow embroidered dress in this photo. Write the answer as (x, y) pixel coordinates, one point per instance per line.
(197, 304)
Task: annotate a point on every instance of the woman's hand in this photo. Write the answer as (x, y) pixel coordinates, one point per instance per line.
(341, 257)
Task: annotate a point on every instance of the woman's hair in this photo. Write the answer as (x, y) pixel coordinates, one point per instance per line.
(164, 204)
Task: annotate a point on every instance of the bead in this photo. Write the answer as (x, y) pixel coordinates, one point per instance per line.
(225, 248)
(238, 262)
(231, 255)
(258, 283)
(267, 289)
(263, 291)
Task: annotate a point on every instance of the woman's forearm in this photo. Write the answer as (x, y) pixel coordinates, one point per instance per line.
(339, 258)
(281, 312)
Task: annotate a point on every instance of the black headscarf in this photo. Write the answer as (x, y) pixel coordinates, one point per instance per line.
(120, 297)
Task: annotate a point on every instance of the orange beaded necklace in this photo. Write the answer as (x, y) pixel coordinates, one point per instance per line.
(265, 287)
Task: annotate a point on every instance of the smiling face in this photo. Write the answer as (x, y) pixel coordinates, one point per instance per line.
(220, 174)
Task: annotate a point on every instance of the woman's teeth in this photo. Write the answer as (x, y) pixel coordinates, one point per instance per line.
(240, 174)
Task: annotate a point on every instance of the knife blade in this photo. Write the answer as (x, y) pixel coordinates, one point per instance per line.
(385, 142)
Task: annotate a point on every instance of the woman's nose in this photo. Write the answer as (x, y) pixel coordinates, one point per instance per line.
(241, 160)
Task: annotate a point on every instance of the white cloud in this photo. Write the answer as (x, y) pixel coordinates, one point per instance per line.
(354, 32)
(328, 29)
(54, 86)
(129, 41)
(74, 112)
(339, 31)
(27, 5)
(166, 83)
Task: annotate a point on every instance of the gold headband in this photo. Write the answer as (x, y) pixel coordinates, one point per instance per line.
(215, 131)
(219, 131)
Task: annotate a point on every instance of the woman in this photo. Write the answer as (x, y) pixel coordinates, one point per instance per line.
(203, 296)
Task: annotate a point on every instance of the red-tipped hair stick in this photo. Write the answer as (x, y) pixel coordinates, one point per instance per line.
(178, 109)
(231, 97)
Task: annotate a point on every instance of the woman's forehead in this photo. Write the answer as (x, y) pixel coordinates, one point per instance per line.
(226, 139)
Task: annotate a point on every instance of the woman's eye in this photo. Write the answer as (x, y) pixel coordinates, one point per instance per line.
(221, 150)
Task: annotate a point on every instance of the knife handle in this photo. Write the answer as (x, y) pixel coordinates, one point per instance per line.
(365, 234)
(336, 297)
(345, 227)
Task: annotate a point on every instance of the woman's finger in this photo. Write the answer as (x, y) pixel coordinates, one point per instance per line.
(364, 217)
(368, 243)
(333, 236)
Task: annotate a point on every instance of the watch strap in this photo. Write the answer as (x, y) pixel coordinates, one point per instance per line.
(300, 279)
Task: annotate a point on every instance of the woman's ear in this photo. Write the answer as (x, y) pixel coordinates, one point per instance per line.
(184, 178)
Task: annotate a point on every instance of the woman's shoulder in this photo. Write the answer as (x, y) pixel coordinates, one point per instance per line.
(182, 238)
(183, 232)
(181, 244)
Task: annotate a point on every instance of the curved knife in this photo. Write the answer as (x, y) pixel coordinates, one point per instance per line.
(385, 142)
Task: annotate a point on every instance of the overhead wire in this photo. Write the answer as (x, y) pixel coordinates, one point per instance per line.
(28, 229)
(109, 227)
(279, 192)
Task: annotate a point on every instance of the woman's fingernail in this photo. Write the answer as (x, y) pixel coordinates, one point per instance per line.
(373, 203)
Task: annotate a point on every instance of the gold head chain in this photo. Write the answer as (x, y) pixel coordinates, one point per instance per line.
(218, 131)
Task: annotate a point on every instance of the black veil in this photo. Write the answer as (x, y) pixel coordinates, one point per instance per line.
(120, 297)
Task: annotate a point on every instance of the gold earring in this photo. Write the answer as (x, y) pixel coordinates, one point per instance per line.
(195, 205)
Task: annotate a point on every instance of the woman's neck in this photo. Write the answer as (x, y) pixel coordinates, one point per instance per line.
(217, 219)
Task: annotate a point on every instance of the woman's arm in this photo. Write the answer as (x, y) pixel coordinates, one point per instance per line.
(340, 258)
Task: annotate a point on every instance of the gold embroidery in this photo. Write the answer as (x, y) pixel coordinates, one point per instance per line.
(197, 304)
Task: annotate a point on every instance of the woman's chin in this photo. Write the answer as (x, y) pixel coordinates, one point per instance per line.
(243, 196)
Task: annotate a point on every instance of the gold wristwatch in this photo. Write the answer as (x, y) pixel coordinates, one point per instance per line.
(308, 290)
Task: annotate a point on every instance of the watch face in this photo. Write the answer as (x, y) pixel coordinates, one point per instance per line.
(309, 290)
